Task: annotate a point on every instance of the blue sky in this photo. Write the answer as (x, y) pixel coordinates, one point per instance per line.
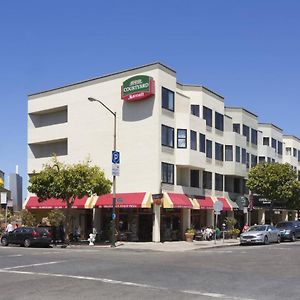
(248, 51)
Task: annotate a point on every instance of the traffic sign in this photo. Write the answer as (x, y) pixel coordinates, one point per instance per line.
(115, 170)
(115, 157)
(113, 216)
(218, 206)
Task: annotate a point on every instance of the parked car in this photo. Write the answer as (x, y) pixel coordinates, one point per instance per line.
(290, 230)
(260, 234)
(27, 236)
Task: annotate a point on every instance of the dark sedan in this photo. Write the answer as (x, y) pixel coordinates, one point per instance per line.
(289, 230)
(27, 236)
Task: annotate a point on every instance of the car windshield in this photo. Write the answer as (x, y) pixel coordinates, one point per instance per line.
(257, 228)
(284, 224)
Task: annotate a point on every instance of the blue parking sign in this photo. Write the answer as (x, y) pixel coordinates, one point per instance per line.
(115, 157)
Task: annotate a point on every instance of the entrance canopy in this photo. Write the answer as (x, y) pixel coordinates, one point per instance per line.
(172, 200)
(226, 204)
(125, 200)
(204, 202)
(53, 203)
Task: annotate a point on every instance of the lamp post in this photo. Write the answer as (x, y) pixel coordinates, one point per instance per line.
(113, 227)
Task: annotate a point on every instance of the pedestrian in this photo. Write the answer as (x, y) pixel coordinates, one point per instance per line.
(61, 233)
(9, 227)
(245, 228)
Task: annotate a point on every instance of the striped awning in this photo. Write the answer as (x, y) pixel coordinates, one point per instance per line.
(174, 200)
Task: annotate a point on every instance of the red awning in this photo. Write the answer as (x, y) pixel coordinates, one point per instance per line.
(125, 200)
(226, 205)
(172, 200)
(53, 203)
(205, 202)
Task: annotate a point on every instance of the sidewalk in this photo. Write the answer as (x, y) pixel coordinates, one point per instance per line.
(174, 246)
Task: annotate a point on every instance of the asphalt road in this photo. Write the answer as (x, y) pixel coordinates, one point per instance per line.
(238, 273)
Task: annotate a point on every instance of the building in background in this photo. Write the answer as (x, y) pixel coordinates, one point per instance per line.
(181, 150)
(16, 188)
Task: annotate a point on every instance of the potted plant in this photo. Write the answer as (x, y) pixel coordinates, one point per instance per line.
(189, 234)
(234, 232)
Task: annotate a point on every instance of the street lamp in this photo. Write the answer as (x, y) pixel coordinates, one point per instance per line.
(113, 229)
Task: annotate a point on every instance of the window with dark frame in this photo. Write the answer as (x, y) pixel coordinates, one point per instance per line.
(253, 160)
(195, 110)
(209, 148)
(207, 180)
(266, 141)
(167, 173)
(228, 153)
(193, 140)
(218, 182)
(181, 138)
(273, 143)
(167, 99)
(253, 136)
(237, 154)
(167, 136)
(261, 159)
(279, 148)
(237, 127)
(219, 121)
(202, 141)
(219, 152)
(247, 160)
(243, 156)
(194, 178)
(246, 132)
(207, 115)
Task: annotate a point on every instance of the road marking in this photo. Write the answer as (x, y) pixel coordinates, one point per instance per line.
(215, 295)
(15, 255)
(34, 265)
(125, 283)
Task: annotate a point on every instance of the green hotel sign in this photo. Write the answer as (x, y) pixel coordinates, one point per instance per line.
(137, 88)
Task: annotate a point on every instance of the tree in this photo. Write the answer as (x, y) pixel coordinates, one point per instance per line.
(27, 218)
(275, 182)
(56, 217)
(68, 182)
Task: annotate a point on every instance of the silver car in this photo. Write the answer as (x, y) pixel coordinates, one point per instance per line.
(260, 234)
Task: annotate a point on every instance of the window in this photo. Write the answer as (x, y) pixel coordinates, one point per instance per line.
(181, 138)
(218, 182)
(253, 160)
(269, 160)
(228, 153)
(207, 115)
(219, 152)
(266, 141)
(274, 142)
(288, 151)
(237, 128)
(298, 155)
(237, 154)
(247, 160)
(207, 180)
(195, 178)
(167, 173)
(246, 132)
(243, 156)
(219, 121)
(195, 110)
(253, 136)
(299, 178)
(202, 142)
(167, 136)
(294, 152)
(167, 99)
(208, 148)
(279, 148)
(261, 159)
(273, 161)
(193, 140)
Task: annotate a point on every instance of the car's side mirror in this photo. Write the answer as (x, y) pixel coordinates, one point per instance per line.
(270, 229)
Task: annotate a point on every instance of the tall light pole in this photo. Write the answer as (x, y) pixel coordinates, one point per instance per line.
(113, 227)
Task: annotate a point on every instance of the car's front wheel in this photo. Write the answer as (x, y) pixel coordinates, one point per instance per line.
(293, 239)
(27, 243)
(4, 242)
(266, 240)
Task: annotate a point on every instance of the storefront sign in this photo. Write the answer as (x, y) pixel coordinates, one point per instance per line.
(137, 88)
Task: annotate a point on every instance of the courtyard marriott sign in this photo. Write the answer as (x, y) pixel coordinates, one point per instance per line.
(137, 88)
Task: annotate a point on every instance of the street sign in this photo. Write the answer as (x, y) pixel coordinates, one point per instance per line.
(115, 170)
(217, 212)
(115, 157)
(218, 206)
(113, 216)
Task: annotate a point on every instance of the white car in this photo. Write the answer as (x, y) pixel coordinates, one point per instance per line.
(260, 234)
